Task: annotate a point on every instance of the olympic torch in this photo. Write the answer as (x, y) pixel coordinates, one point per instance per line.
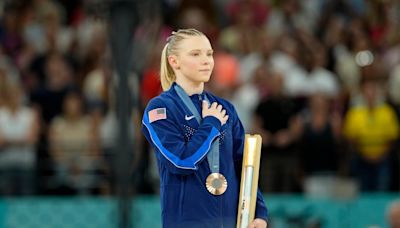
(249, 181)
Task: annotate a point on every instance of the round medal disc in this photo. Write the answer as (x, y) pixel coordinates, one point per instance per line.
(216, 184)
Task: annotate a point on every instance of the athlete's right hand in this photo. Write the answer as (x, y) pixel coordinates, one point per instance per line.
(215, 110)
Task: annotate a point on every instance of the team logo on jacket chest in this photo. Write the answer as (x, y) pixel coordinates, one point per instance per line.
(187, 118)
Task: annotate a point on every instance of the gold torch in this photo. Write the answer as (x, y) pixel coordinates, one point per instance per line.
(249, 182)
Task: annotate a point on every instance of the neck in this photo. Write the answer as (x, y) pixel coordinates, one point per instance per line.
(13, 108)
(190, 87)
(72, 117)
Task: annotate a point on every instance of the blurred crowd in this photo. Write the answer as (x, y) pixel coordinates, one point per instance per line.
(318, 79)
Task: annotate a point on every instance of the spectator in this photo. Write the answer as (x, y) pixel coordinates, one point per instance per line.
(248, 95)
(287, 61)
(259, 8)
(58, 79)
(274, 120)
(320, 80)
(320, 136)
(19, 131)
(72, 148)
(242, 36)
(10, 36)
(371, 128)
(225, 75)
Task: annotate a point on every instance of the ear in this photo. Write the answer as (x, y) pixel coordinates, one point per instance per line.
(174, 62)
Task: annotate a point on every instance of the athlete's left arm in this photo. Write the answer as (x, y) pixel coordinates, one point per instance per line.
(238, 134)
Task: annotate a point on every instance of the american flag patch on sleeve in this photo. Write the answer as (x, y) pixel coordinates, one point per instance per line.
(157, 114)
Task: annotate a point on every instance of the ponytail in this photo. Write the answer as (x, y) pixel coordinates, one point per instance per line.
(167, 75)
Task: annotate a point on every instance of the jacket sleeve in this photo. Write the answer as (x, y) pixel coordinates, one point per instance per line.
(177, 155)
(238, 147)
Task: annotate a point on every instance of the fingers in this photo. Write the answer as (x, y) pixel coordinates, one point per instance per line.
(224, 119)
(223, 112)
(215, 106)
(258, 223)
(219, 108)
(252, 225)
(216, 110)
(205, 104)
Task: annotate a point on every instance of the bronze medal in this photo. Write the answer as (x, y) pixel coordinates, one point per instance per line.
(216, 184)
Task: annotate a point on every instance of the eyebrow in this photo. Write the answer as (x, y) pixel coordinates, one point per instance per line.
(200, 50)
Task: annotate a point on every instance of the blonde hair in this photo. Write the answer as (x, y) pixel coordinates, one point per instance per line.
(167, 74)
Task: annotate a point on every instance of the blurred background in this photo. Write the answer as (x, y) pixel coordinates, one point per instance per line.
(318, 79)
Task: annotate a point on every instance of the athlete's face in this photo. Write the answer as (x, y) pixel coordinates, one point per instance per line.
(194, 59)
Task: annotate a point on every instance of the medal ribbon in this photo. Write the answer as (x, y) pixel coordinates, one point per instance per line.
(213, 155)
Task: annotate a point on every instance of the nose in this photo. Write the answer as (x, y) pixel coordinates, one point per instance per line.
(206, 60)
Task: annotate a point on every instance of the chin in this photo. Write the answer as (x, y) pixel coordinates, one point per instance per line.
(204, 78)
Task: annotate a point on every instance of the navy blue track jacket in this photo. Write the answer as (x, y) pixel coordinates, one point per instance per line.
(181, 146)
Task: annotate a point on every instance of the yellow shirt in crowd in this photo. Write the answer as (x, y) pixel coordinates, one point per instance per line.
(371, 130)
